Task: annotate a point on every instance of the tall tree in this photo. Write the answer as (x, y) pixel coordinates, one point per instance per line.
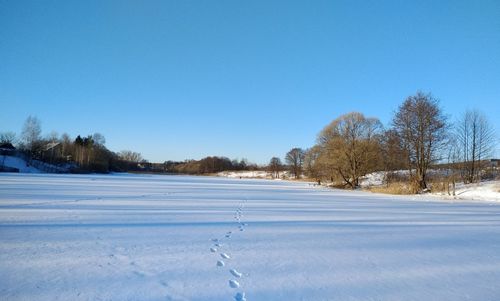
(351, 146)
(32, 130)
(295, 158)
(99, 139)
(477, 141)
(275, 167)
(312, 164)
(393, 153)
(422, 128)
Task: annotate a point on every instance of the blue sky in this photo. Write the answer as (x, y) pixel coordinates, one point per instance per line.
(244, 79)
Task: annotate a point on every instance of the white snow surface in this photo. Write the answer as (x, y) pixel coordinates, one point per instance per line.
(143, 237)
(483, 191)
(244, 174)
(252, 174)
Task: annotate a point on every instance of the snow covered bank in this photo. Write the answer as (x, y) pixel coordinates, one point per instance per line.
(252, 174)
(147, 237)
(255, 174)
(484, 191)
(34, 166)
(18, 163)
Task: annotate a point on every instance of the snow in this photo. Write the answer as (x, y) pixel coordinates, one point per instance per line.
(19, 163)
(256, 174)
(147, 237)
(373, 179)
(484, 191)
(252, 174)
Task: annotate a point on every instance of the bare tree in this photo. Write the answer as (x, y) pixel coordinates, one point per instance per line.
(453, 164)
(351, 146)
(394, 156)
(32, 130)
(312, 166)
(295, 158)
(477, 141)
(99, 139)
(275, 167)
(7, 137)
(130, 156)
(67, 147)
(422, 128)
(53, 137)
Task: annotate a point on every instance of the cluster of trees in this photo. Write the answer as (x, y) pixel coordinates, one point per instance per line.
(89, 154)
(207, 165)
(82, 154)
(419, 137)
(294, 162)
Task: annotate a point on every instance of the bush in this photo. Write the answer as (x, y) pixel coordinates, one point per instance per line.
(394, 188)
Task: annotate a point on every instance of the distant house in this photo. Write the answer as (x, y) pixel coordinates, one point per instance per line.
(7, 149)
(51, 151)
(7, 146)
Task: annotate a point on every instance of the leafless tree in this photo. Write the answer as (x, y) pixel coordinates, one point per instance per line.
(477, 142)
(295, 158)
(351, 146)
(312, 164)
(67, 146)
(130, 156)
(7, 137)
(275, 167)
(422, 128)
(99, 139)
(53, 137)
(32, 130)
(394, 156)
(453, 164)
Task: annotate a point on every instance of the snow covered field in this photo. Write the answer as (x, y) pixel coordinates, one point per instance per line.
(138, 237)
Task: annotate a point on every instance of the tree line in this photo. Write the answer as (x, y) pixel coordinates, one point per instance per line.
(208, 165)
(420, 137)
(80, 154)
(89, 154)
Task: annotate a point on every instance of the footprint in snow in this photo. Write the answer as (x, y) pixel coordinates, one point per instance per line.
(240, 297)
(235, 273)
(213, 250)
(220, 263)
(225, 256)
(234, 284)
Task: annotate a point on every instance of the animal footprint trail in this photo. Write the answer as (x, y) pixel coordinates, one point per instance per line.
(217, 247)
(240, 296)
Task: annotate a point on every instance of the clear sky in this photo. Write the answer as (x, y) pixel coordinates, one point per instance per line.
(245, 79)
